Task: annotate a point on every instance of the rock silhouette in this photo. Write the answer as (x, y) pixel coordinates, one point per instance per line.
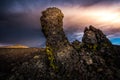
(95, 58)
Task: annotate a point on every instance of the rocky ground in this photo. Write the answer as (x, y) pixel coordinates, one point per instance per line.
(95, 58)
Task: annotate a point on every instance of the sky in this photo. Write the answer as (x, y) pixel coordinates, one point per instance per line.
(20, 19)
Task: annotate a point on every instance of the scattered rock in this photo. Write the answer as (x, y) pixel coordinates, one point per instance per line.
(36, 57)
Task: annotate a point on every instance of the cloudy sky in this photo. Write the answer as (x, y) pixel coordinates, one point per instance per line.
(19, 19)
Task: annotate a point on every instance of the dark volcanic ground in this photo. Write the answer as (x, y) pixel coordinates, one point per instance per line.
(11, 58)
(33, 64)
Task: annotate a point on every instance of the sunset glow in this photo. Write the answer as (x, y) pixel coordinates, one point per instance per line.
(100, 17)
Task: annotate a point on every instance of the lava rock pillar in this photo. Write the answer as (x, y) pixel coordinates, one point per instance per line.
(52, 27)
(57, 43)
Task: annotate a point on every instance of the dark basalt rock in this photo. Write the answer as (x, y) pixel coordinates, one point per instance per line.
(95, 40)
(96, 47)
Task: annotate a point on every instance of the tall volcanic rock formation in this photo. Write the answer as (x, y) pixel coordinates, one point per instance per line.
(58, 47)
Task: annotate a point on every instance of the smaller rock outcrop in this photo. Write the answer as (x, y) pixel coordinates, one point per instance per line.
(95, 36)
(96, 53)
(95, 39)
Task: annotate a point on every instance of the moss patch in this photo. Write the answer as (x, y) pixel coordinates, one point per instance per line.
(51, 58)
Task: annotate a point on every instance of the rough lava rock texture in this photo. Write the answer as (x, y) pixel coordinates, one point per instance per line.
(95, 58)
(57, 45)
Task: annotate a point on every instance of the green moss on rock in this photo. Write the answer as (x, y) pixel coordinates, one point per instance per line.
(51, 58)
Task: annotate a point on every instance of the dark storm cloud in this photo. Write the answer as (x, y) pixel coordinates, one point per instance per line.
(18, 24)
(22, 5)
(84, 2)
(18, 28)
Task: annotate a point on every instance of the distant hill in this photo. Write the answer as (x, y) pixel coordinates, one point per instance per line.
(15, 46)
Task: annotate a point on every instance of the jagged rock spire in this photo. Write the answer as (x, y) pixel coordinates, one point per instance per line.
(95, 36)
